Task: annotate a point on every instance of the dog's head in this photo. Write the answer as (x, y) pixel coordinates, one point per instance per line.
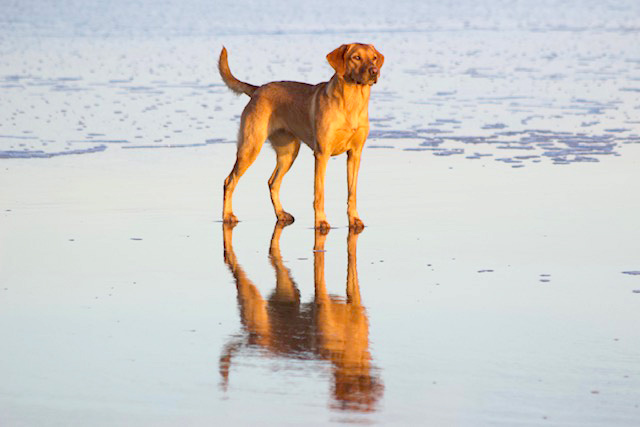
(357, 63)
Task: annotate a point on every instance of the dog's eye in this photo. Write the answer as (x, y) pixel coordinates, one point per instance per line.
(357, 57)
(375, 58)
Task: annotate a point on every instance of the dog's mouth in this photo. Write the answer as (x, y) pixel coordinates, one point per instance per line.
(370, 81)
(371, 77)
(366, 80)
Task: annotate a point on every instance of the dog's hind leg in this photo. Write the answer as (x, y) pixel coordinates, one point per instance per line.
(252, 134)
(286, 147)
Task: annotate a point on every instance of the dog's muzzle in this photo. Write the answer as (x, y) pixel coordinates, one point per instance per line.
(374, 73)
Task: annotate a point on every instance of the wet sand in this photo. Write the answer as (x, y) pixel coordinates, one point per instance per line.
(497, 281)
(490, 295)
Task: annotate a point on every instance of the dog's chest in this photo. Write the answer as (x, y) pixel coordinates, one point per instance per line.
(348, 137)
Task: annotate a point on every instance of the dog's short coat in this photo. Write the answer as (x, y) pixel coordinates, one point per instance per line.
(330, 117)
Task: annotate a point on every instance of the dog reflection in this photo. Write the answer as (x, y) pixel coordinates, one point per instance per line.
(329, 328)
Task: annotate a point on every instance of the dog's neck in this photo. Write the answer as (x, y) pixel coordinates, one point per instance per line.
(352, 95)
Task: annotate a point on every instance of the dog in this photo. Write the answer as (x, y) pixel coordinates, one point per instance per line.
(331, 118)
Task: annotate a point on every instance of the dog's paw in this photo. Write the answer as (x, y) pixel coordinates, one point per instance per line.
(323, 226)
(230, 219)
(285, 218)
(356, 225)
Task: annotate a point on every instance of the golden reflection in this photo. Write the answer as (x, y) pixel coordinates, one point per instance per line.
(329, 328)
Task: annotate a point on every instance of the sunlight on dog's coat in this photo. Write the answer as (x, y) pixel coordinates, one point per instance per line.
(331, 118)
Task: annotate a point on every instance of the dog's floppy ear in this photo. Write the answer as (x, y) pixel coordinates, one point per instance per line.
(338, 60)
(380, 59)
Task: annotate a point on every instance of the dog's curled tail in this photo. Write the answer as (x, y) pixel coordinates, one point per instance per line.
(234, 84)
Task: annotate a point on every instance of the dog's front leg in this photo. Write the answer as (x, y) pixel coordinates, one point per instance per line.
(318, 199)
(353, 166)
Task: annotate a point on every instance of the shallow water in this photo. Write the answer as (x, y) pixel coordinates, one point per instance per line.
(522, 87)
(496, 283)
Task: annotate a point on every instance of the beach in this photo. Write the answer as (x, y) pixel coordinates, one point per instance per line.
(497, 281)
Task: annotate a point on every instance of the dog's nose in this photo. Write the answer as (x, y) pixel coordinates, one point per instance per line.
(373, 71)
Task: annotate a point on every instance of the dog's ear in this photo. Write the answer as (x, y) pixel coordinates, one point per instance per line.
(337, 59)
(380, 59)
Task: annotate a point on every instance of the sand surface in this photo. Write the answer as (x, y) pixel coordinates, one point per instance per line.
(497, 281)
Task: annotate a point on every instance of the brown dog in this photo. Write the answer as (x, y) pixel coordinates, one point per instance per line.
(330, 117)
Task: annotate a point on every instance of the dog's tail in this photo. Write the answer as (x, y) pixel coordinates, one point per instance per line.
(234, 84)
